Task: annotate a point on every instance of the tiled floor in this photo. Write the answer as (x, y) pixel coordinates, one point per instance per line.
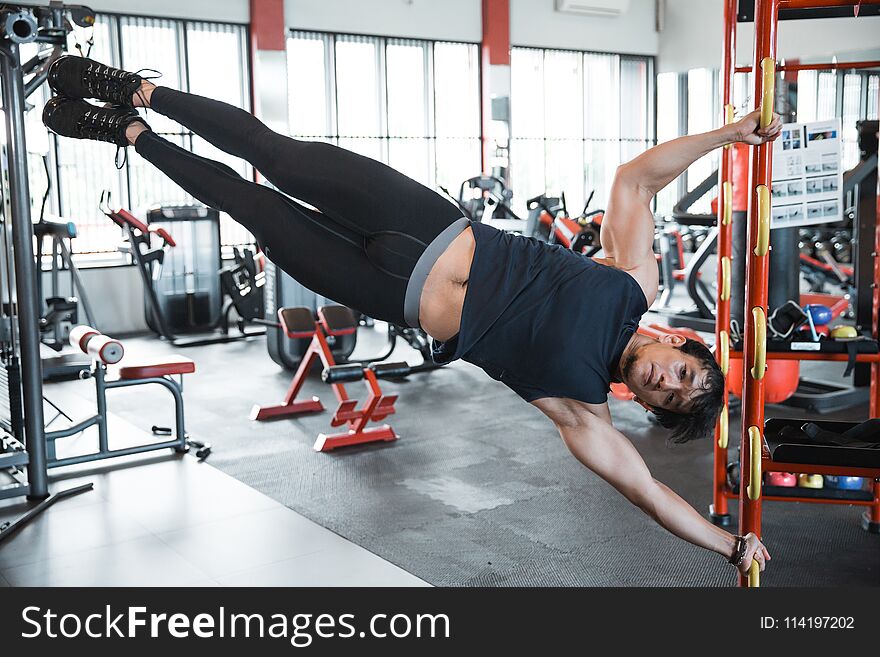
(164, 520)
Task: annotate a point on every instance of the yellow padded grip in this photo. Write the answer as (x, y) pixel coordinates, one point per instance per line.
(722, 428)
(759, 366)
(728, 119)
(727, 194)
(725, 278)
(754, 575)
(768, 66)
(724, 351)
(754, 489)
(762, 242)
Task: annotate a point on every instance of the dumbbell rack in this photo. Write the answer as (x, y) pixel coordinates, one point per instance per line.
(333, 321)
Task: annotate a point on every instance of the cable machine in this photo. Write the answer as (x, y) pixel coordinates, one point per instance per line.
(23, 439)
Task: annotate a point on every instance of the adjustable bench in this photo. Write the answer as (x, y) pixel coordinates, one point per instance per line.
(107, 352)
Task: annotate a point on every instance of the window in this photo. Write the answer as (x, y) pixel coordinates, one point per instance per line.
(703, 114)
(576, 116)
(670, 122)
(378, 97)
(204, 58)
(851, 95)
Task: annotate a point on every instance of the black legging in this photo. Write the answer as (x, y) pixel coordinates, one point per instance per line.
(375, 224)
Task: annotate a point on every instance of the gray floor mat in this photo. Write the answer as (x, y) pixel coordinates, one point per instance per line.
(479, 490)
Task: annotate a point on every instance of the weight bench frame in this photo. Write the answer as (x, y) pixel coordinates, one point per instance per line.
(99, 373)
(376, 407)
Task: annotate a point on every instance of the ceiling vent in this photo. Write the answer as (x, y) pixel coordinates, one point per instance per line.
(612, 8)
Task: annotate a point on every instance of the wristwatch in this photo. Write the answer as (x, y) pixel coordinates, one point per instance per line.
(739, 553)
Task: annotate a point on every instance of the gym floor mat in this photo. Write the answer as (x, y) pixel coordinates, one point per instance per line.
(480, 491)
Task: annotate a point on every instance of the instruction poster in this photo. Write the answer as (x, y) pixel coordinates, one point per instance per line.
(807, 178)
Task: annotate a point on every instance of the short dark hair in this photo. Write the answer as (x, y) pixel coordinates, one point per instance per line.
(700, 421)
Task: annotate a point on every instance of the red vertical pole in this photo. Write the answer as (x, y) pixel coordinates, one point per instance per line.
(268, 41)
(757, 257)
(873, 513)
(718, 510)
(875, 328)
(495, 51)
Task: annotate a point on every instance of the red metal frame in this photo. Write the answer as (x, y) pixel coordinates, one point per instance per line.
(766, 20)
(719, 506)
(827, 66)
(376, 407)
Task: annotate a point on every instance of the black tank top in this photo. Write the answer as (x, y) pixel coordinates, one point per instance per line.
(542, 319)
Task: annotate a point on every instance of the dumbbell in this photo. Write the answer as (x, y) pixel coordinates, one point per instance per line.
(844, 483)
(782, 479)
(810, 481)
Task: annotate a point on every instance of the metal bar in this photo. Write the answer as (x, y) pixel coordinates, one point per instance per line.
(757, 268)
(98, 456)
(819, 4)
(9, 529)
(813, 355)
(76, 428)
(25, 270)
(100, 371)
(78, 285)
(865, 236)
(811, 500)
(808, 468)
(176, 390)
(719, 510)
(832, 66)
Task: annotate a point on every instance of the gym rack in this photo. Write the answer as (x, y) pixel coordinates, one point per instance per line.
(755, 454)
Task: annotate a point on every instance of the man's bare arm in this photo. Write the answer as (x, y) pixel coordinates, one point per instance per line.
(628, 226)
(608, 453)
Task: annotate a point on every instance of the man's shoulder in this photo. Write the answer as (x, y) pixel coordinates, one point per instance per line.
(567, 412)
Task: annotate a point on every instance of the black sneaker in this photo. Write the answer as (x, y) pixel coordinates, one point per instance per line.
(80, 77)
(78, 119)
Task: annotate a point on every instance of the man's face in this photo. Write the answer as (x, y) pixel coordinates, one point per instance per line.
(661, 376)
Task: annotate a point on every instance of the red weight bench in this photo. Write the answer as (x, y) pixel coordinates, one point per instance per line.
(333, 321)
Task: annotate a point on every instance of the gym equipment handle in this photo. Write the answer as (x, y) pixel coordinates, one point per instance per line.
(725, 278)
(762, 242)
(724, 346)
(768, 66)
(760, 364)
(728, 119)
(391, 370)
(754, 489)
(342, 373)
(98, 346)
(722, 428)
(355, 372)
(754, 575)
(727, 193)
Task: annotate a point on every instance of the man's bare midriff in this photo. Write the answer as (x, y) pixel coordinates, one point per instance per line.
(443, 294)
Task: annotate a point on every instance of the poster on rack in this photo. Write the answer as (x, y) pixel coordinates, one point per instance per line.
(807, 177)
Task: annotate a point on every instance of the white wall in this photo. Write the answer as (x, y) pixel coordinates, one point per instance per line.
(116, 297)
(537, 23)
(532, 22)
(232, 11)
(454, 20)
(691, 37)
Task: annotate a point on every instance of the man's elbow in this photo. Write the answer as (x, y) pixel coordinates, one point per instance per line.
(630, 177)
